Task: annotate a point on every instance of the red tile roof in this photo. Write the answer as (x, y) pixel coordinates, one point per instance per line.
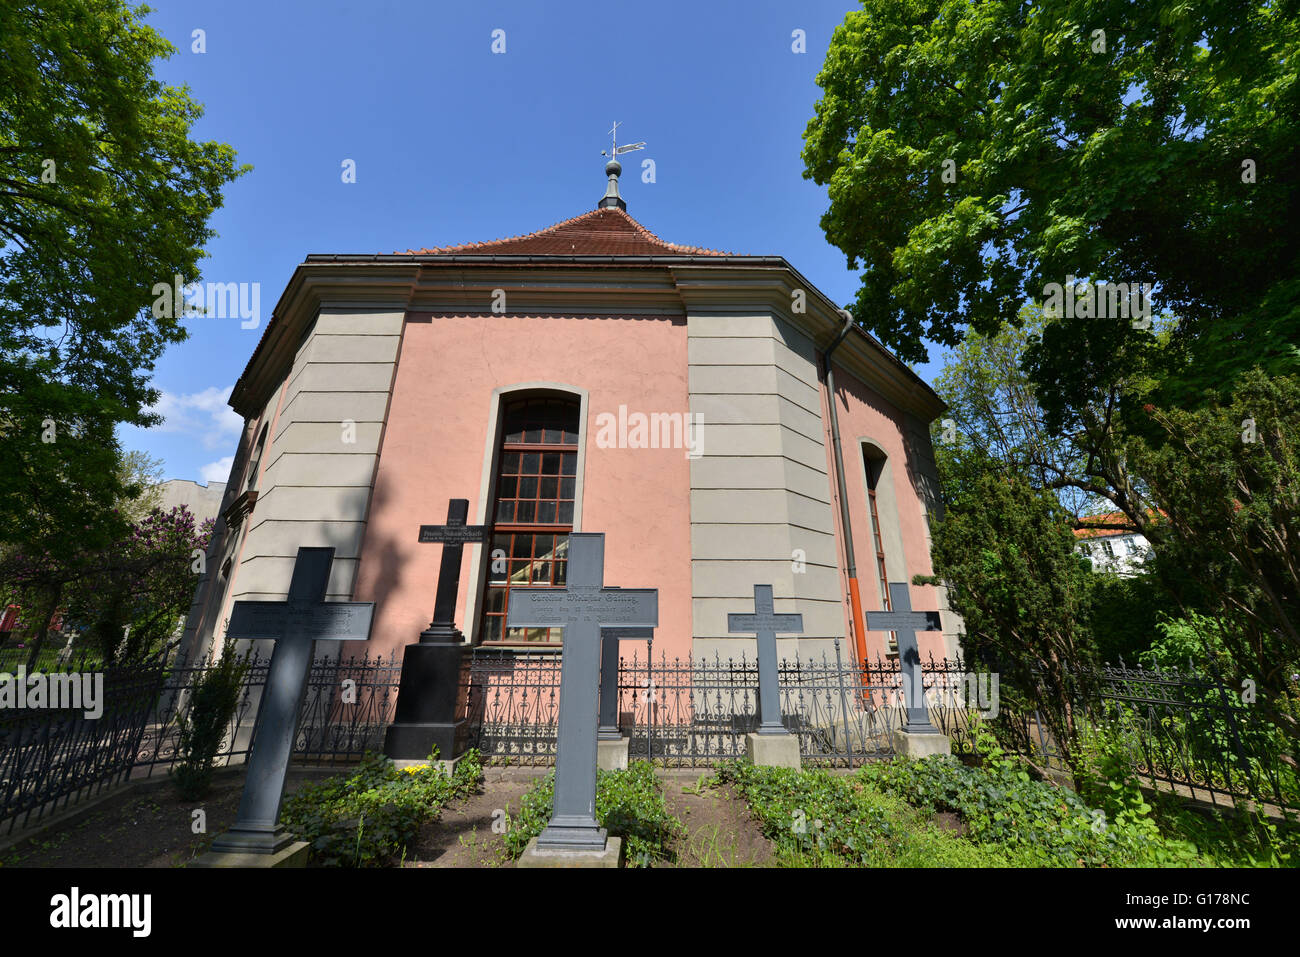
(1109, 518)
(601, 232)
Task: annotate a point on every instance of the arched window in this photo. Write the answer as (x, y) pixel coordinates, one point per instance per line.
(532, 507)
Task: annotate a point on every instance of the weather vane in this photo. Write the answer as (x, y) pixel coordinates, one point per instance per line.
(615, 149)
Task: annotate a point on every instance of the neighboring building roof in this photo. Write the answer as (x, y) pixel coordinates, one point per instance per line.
(1108, 518)
(601, 232)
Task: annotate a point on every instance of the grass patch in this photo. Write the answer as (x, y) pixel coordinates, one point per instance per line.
(819, 819)
(367, 818)
(629, 804)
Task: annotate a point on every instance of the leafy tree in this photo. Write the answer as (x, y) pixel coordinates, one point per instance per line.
(1006, 551)
(996, 422)
(977, 150)
(1227, 478)
(103, 195)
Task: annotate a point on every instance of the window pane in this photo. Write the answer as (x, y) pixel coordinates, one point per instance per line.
(561, 573)
(570, 463)
(526, 513)
(492, 628)
(510, 463)
(529, 462)
(567, 487)
(528, 488)
(509, 487)
(550, 487)
(521, 547)
(543, 545)
(546, 513)
(565, 515)
(505, 511)
(551, 463)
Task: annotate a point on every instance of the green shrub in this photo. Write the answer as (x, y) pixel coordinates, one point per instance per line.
(214, 697)
(367, 818)
(629, 804)
(820, 819)
(1043, 825)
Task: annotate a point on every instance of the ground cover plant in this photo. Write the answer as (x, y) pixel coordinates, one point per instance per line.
(629, 804)
(820, 819)
(367, 818)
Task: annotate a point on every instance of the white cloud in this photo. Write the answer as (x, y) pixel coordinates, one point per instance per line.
(217, 471)
(203, 415)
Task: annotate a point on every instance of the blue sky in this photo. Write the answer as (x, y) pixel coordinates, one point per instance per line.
(453, 143)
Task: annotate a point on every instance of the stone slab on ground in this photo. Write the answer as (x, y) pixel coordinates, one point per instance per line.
(295, 855)
(611, 856)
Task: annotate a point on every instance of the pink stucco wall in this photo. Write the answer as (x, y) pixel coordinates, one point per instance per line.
(864, 414)
(436, 439)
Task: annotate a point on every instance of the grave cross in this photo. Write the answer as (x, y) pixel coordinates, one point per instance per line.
(765, 625)
(429, 694)
(296, 625)
(906, 623)
(581, 609)
(609, 639)
(453, 536)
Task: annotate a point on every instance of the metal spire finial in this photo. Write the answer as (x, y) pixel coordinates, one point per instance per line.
(613, 168)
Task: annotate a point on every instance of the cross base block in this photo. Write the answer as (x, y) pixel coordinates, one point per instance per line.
(914, 745)
(773, 750)
(610, 856)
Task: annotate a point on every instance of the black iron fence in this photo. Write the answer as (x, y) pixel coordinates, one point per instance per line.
(50, 758)
(1183, 730)
(695, 711)
(81, 735)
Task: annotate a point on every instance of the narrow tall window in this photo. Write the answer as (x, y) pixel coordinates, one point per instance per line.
(257, 458)
(533, 510)
(874, 462)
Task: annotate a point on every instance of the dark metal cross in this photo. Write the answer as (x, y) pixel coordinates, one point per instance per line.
(296, 624)
(453, 537)
(906, 623)
(609, 639)
(765, 625)
(581, 609)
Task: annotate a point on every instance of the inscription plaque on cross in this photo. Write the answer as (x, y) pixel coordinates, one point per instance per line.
(906, 623)
(581, 609)
(453, 537)
(765, 625)
(295, 624)
(429, 693)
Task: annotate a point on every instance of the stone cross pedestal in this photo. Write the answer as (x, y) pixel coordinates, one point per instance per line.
(429, 695)
(296, 624)
(581, 609)
(919, 736)
(772, 744)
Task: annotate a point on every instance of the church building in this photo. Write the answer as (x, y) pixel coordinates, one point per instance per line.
(714, 415)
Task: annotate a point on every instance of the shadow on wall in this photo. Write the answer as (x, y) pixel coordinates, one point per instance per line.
(385, 565)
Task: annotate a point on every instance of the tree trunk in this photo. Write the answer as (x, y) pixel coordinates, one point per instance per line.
(47, 616)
